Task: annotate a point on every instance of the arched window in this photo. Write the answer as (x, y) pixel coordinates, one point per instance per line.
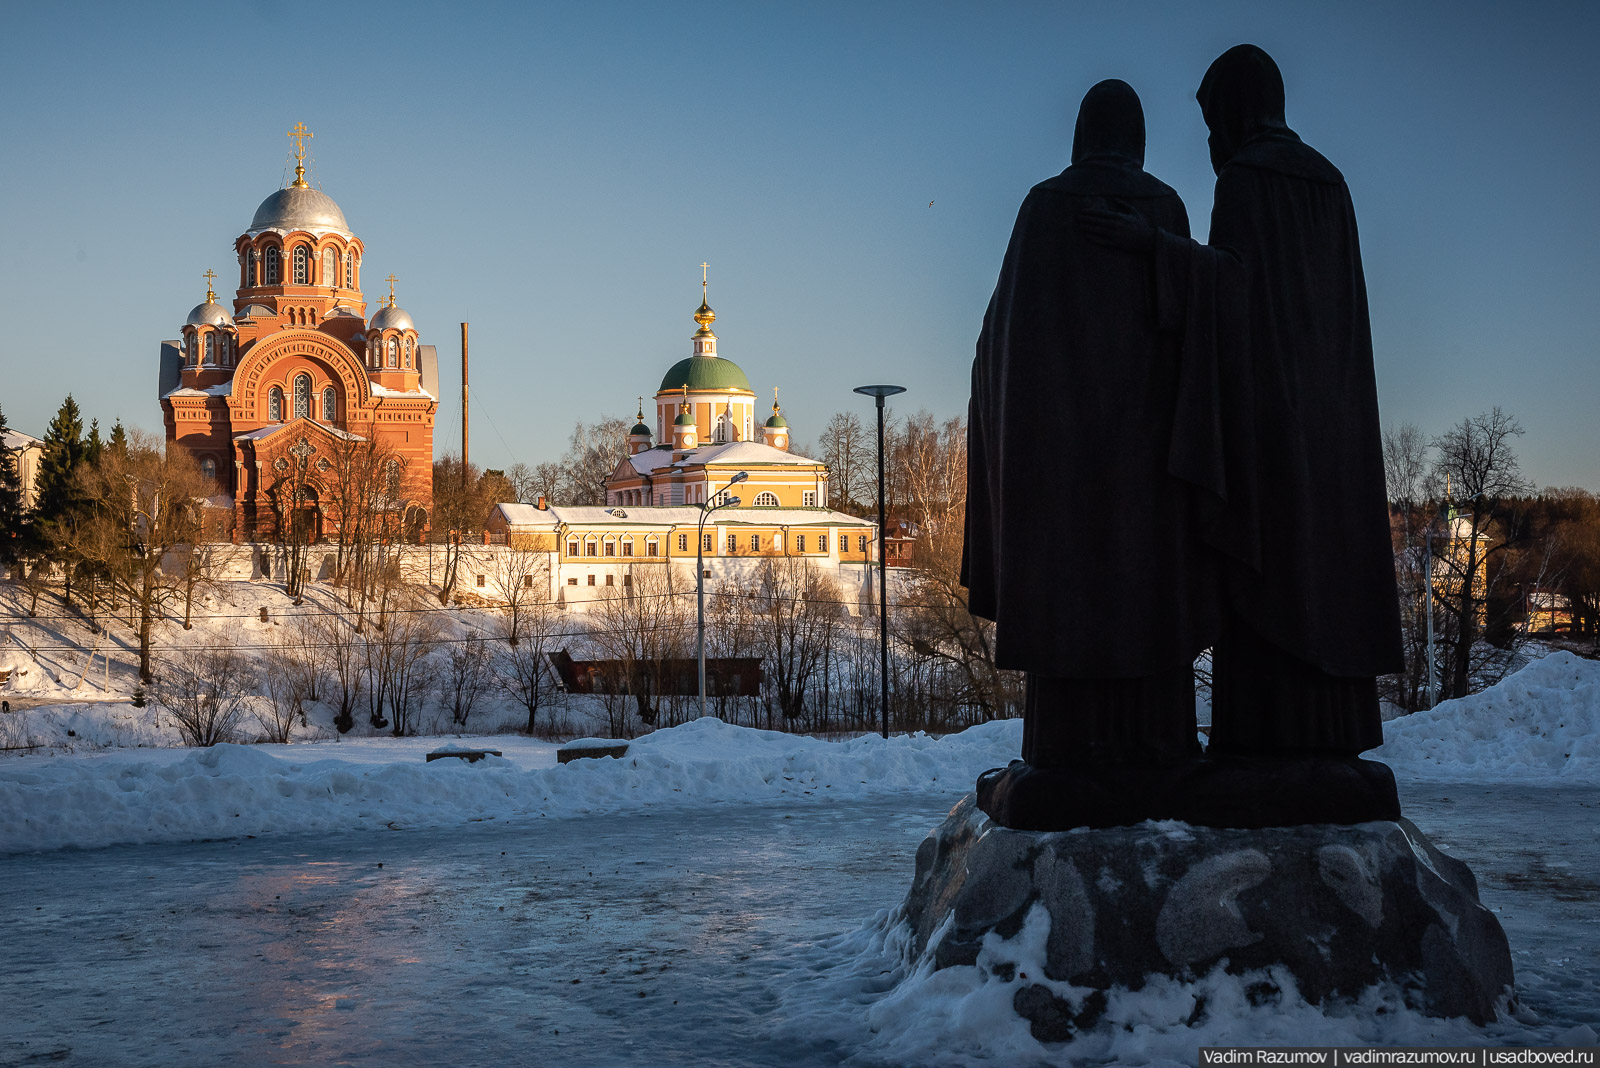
(375, 352)
(391, 478)
(273, 258)
(302, 265)
(253, 269)
(302, 396)
(187, 345)
(330, 273)
(766, 500)
(408, 352)
(349, 270)
(275, 405)
(208, 469)
(393, 350)
(211, 348)
(330, 405)
(720, 432)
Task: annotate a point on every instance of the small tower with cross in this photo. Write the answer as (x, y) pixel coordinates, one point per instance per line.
(300, 135)
(776, 430)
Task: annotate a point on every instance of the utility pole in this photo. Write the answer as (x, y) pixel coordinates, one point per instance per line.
(466, 479)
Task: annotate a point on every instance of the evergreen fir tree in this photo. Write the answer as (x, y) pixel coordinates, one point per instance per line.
(13, 528)
(119, 439)
(93, 445)
(64, 451)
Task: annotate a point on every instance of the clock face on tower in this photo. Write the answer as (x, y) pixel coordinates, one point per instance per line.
(778, 441)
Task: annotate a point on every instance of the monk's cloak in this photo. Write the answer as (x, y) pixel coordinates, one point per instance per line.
(1079, 542)
(1306, 525)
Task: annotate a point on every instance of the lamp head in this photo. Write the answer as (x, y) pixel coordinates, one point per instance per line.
(740, 477)
(879, 392)
(734, 502)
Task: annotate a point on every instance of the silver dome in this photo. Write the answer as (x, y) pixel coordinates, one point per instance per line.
(297, 208)
(209, 314)
(391, 318)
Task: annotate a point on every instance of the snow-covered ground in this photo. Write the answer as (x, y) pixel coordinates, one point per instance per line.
(720, 895)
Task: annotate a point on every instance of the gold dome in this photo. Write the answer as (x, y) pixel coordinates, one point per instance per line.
(705, 317)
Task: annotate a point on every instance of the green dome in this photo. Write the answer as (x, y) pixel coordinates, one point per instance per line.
(684, 419)
(705, 373)
(777, 422)
(640, 428)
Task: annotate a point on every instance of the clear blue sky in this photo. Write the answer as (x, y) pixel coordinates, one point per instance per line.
(555, 174)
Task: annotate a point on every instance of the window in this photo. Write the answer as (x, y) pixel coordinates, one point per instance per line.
(808, 499)
(330, 273)
(591, 580)
(253, 268)
(273, 258)
(652, 548)
(408, 352)
(610, 580)
(755, 543)
(572, 582)
(589, 549)
(275, 405)
(480, 580)
(627, 580)
(705, 543)
(683, 543)
(720, 433)
(611, 548)
(822, 543)
(627, 547)
(208, 469)
(733, 543)
(349, 270)
(766, 499)
(211, 347)
(329, 404)
(302, 396)
(302, 265)
(527, 581)
(392, 350)
(572, 548)
(861, 543)
(391, 478)
(800, 543)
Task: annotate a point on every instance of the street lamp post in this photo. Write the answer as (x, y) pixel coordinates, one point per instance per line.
(878, 393)
(706, 508)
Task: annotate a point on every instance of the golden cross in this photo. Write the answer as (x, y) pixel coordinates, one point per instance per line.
(299, 135)
(211, 295)
(391, 280)
(774, 398)
(704, 267)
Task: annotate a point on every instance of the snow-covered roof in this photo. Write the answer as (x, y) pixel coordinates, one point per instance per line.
(16, 439)
(414, 394)
(221, 389)
(689, 515)
(744, 452)
(526, 515)
(264, 432)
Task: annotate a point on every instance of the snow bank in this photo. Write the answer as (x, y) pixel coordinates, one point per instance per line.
(861, 991)
(1541, 724)
(229, 790)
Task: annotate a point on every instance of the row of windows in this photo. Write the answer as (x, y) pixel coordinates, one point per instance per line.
(764, 499)
(627, 580)
(302, 401)
(393, 352)
(594, 547)
(264, 267)
(217, 346)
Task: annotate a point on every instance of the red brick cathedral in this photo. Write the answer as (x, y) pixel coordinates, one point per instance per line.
(277, 392)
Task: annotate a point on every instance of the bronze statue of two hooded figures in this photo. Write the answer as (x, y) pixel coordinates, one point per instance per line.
(1174, 447)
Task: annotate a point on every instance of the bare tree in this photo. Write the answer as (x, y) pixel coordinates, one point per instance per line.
(1482, 481)
(204, 690)
(641, 627)
(468, 676)
(848, 449)
(284, 682)
(412, 635)
(593, 452)
(460, 506)
(521, 577)
(530, 483)
(522, 669)
(344, 658)
(145, 504)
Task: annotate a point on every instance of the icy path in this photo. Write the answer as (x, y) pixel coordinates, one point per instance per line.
(683, 931)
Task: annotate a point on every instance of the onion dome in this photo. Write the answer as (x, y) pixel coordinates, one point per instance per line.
(299, 208)
(705, 317)
(684, 418)
(391, 317)
(777, 422)
(640, 428)
(209, 314)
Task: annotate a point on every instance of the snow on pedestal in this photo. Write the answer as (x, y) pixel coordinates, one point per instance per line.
(1336, 910)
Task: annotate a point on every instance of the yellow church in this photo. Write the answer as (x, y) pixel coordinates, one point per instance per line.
(705, 433)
